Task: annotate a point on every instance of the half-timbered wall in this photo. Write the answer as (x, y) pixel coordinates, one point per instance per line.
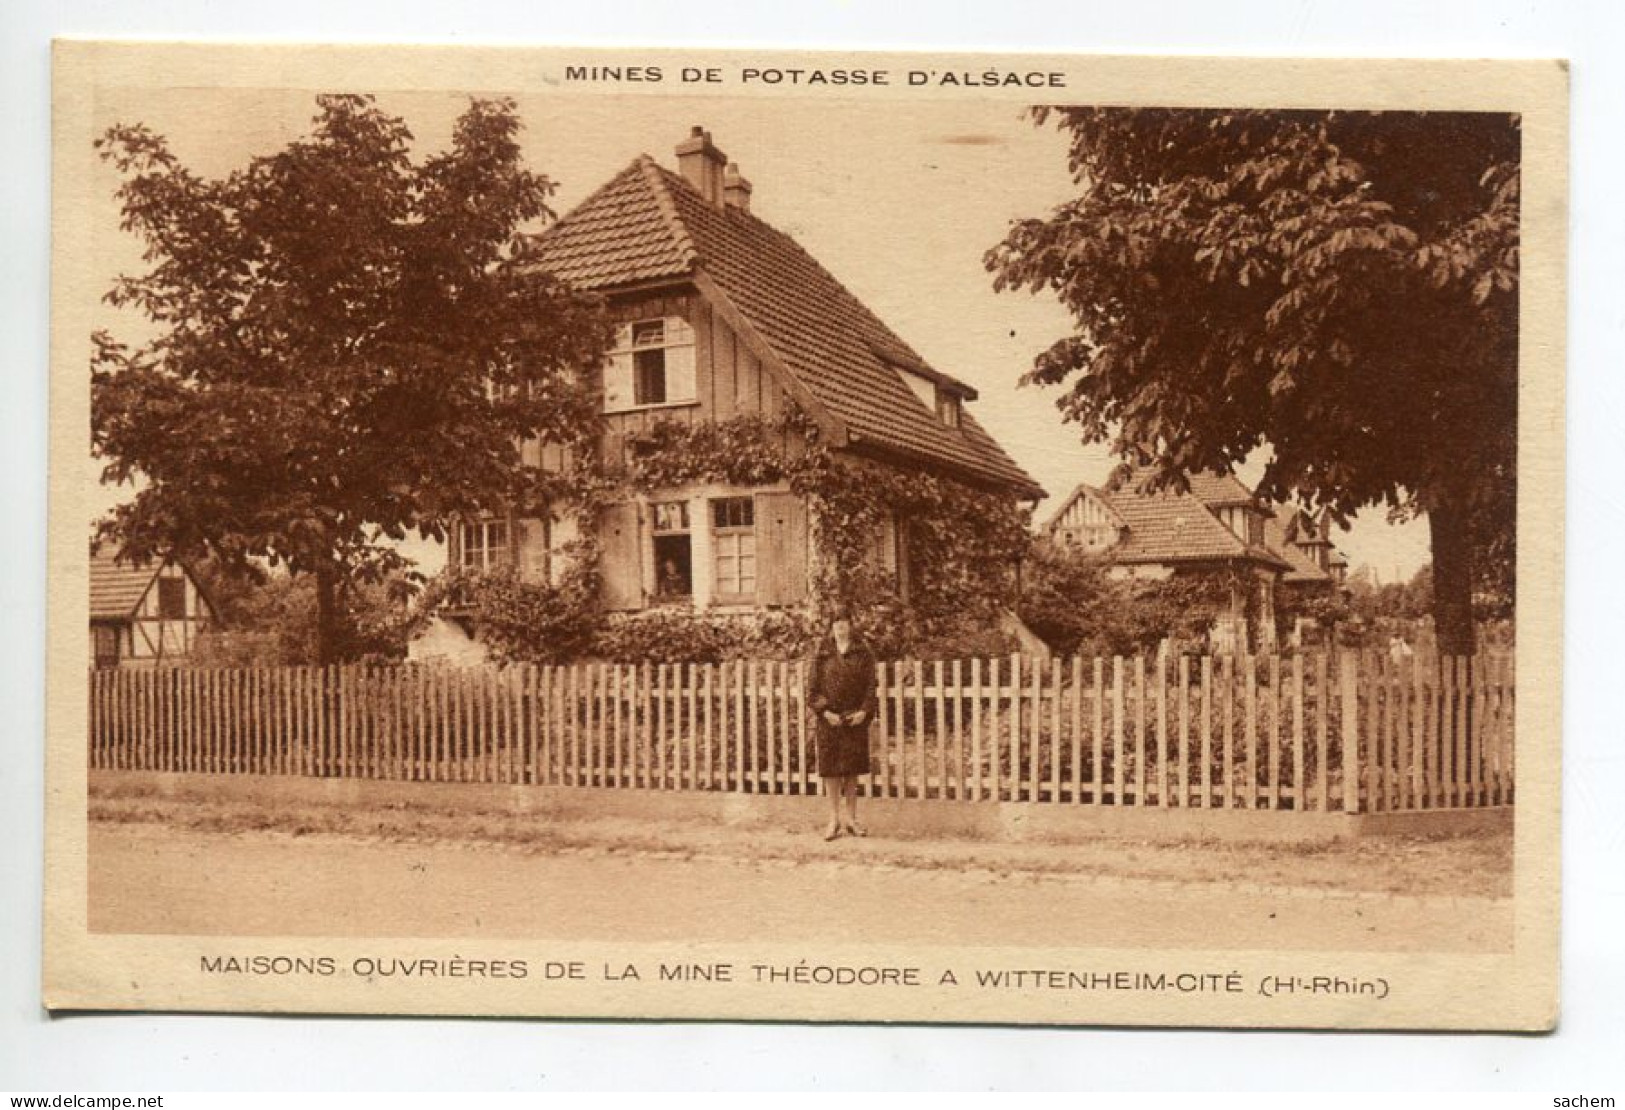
(1086, 524)
(729, 380)
(163, 626)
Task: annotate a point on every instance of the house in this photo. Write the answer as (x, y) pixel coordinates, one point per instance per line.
(1216, 524)
(144, 615)
(719, 316)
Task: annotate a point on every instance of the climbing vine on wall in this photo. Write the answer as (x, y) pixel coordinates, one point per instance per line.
(963, 546)
(962, 543)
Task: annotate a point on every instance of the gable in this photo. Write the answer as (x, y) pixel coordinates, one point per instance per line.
(121, 591)
(117, 588)
(649, 224)
(1087, 521)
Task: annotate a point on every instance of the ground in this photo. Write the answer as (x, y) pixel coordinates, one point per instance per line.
(242, 868)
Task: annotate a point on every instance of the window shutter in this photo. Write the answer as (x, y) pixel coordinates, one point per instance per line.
(618, 382)
(533, 536)
(454, 543)
(781, 549)
(620, 564)
(905, 560)
(516, 545)
(680, 373)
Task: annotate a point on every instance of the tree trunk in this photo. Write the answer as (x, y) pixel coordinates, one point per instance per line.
(326, 615)
(1450, 525)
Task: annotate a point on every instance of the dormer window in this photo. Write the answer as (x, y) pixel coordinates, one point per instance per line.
(950, 410)
(652, 364)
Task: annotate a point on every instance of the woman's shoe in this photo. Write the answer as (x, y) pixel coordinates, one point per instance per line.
(856, 829)
(833, 832)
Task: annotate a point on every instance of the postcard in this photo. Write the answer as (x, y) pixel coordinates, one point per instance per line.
(828, 537)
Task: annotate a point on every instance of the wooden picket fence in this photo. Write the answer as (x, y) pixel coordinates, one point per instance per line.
(1309, 732)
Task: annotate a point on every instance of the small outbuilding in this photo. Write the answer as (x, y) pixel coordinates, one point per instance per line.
(144, 614)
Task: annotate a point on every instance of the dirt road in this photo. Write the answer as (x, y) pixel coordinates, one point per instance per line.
(154, 879)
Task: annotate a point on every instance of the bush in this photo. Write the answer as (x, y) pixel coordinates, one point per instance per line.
(1075, 605)
(270, 620)
(520, 621)
(685, 636)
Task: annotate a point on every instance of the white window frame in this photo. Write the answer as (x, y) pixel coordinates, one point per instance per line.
(676, 342)
(733, 544)
(488, 554)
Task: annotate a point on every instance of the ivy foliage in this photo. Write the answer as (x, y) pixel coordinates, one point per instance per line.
(521, 621)
(964, 545)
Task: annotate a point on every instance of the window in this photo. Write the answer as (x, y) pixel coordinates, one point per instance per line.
(673, 551)
(1255, 528)
(172, 599)
(484, 544)
(652, 364)
(733, 524)
(1092, 536)
(949, 409)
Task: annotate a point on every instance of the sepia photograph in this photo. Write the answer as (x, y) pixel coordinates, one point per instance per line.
(823, 538)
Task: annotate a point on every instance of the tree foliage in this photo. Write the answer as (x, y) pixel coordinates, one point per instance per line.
(348, 346)
(1340, 287)
(1075, 604)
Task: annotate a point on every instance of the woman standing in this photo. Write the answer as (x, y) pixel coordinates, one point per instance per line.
(841, 692)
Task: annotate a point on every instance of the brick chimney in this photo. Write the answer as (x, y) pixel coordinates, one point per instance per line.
(701, 164)
(735, 188)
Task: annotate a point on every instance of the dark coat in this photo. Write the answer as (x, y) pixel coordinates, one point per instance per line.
(842, 684)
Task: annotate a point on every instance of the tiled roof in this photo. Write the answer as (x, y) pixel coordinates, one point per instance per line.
(648, 223)
(117, 588)
(1175, 527)
(1304, 567)
(1179, 526)
(620, 235)
(1211, 489)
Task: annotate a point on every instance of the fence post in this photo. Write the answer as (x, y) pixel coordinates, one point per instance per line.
(959, 729)
(1077, 729)
(1347, 668)
(1140, 745)
(939, 678)
(1206, 732)
(978, 790)
(1119, 770)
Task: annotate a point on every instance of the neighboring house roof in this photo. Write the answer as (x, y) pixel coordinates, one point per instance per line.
(1177, 526)
(117, 588)
(648, 224)
(1216, 490)
(1291, 546)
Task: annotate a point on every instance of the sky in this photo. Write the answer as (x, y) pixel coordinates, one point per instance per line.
(898, 200)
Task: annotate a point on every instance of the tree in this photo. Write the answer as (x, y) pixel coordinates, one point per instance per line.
(349, 347)
(1340, 287)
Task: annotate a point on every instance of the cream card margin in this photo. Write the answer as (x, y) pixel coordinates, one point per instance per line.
(97, 971)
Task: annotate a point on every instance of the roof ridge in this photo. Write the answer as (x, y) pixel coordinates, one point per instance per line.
(668, 208)
(574, 215)
(885, 332)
